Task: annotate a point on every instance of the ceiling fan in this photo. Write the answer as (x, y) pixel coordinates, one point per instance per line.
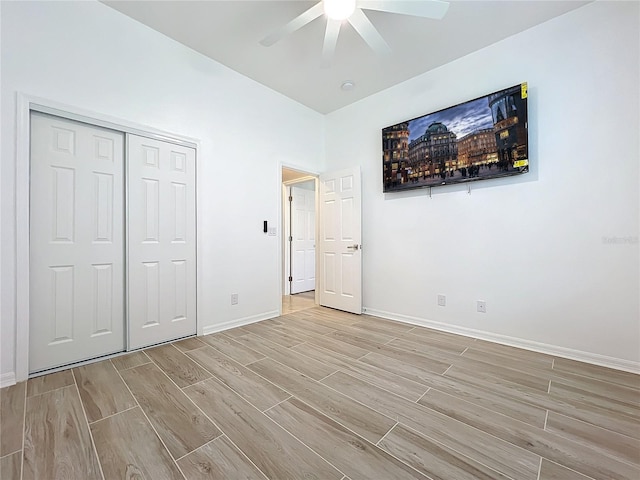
(338, 11)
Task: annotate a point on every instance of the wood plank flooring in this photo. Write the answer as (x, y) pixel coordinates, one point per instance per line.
(57, 442)
(129, 448)
(298, 301)
(102, 391)
(11, 418)
(322, 394)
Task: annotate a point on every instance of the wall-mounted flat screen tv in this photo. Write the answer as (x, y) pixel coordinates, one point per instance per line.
(475, 140)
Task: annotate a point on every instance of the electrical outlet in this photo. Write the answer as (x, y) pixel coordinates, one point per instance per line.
(234, 299)
(442, 300)
(482, 306)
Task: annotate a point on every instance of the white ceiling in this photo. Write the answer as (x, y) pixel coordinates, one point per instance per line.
(229, 32)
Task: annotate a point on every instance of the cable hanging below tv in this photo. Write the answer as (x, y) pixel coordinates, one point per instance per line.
(480, 139)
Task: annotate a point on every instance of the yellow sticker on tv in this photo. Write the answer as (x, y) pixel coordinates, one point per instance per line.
(521, 163)
(524, 90)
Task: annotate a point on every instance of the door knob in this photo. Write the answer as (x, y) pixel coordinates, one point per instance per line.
(353, 247)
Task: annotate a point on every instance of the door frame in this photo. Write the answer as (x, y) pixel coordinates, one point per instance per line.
(25, 105)
(286, 222)
(282, 194)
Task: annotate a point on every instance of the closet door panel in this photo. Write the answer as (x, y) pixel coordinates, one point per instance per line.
(161, 241)
(76, 242)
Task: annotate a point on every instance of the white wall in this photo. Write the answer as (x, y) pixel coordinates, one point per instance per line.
(532, 247)
(89, 56)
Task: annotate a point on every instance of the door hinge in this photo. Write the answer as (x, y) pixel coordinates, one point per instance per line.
(291, 239)
(291, 279)
(290, 198)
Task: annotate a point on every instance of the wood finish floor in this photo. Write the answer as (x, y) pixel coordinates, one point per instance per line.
(322, 394)
(298, 301)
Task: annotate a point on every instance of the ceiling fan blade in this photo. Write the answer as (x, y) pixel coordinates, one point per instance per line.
(368, 32)
(330, 41)
(295, 24)
(417, 8)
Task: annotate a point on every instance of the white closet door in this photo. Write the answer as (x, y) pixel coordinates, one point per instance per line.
(161, 241)
(76, 242)
(303, 233)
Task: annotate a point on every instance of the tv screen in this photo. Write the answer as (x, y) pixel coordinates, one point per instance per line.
(475, 140)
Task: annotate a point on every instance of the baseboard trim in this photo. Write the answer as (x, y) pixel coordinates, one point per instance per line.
(557, 351)
(7, 379)
(239, 322)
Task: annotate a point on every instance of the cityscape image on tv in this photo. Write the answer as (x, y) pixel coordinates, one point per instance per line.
(479, 139)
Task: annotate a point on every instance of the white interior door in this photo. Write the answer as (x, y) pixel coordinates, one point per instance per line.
(161, 241)
(76, 242)
(303, 243)
(340, 248)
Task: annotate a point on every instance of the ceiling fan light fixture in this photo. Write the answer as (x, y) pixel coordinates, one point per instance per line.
(339, 9)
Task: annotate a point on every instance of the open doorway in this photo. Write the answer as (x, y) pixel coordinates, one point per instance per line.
(299, 240)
